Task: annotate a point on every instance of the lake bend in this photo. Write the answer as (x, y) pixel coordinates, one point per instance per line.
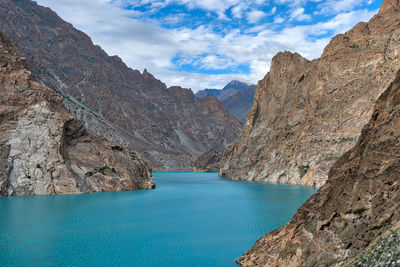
(190, 219)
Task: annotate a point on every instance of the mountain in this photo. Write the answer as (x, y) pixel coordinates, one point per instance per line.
(45, 150)
(306, 114)
(165, 125)
(236, 96)
(207, 162)
(359, 203)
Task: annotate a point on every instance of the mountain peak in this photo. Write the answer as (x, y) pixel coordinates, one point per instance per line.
(238, 85)
(389, 6)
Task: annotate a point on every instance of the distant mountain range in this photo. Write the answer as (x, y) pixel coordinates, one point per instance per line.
(236, 96)
(162, 124)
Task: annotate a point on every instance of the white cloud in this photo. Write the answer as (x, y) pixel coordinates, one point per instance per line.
(255, 15)
(298, 14)
(145, 44)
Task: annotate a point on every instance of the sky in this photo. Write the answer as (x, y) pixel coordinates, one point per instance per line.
(202, 44)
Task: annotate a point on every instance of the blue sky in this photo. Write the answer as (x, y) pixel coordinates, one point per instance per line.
(207, 43)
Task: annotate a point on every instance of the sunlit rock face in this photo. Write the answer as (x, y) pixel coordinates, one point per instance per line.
(359, 202)
(162, 124)
(306, 114)
(45, 150)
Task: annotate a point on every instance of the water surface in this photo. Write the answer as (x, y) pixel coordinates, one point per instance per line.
(191, 219)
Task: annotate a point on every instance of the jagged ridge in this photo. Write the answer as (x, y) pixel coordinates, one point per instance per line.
(306, 114)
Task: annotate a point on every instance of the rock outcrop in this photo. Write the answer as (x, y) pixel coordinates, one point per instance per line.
(236, 96)
(208, 162)
(359, 202)
(65, 59)
(45, 150)
(306, 114)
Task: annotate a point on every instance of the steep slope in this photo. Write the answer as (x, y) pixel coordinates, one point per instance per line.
(67, 61)
(45, 150)
(359, 202)
(236, 96)
(307, 114)
(207, 162)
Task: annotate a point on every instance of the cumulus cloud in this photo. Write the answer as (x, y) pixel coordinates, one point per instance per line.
(143, 42)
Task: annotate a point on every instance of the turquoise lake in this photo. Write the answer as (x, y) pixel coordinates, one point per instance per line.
(191, 219)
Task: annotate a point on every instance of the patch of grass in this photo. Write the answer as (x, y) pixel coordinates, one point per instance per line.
(101, 170)
(141, 185)
(1, 145)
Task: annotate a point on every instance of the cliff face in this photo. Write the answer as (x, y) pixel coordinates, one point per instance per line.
(67, 61)
(208, 161)
(359, 202)
(307, 114)
(236, 96)
(45, 150)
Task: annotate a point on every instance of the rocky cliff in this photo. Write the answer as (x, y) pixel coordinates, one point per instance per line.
(45, 150)
(306, 114)
(208, 162)
(65, 59)
(359, 202)
(236, 96)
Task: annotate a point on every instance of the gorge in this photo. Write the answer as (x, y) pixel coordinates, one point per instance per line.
(74, 120)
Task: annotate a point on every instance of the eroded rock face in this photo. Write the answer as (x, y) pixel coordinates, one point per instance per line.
(208, 162)
(307, 114)
(66, 60)
(359, 202)
(45, 150)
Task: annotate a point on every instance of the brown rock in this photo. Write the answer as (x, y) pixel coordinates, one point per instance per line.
(45, 150)
(306, 114)
(359, 202)
(208, 162)
(163, 120)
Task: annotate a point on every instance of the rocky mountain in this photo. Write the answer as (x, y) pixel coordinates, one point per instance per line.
(208, 162)
(171, 122)
(306, 114)
(45, 150)
(240, 103)
(236, 96)
(359, 203)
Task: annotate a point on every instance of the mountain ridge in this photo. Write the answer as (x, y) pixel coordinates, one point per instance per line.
(65, 59)
(306, 114)
(236, 96)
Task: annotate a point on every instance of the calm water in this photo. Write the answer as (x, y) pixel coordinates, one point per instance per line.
(191, 219)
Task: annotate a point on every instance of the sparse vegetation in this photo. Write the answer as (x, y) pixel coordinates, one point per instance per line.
(353, 46)
(141, 185)
(386, 252)
(101, 170)
(38, 166)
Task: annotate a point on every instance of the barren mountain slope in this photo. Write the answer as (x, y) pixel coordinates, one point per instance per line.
(307, 114)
